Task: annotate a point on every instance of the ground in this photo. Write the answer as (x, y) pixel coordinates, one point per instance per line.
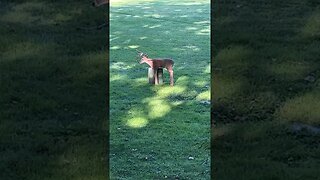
(265, 84)
(160, 132)
(265, 80)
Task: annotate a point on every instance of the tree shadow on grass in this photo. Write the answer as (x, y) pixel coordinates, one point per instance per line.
(53, 92)
(265, 74)
(155, 122)
(264, 150)
(266, 62)
(152, 114)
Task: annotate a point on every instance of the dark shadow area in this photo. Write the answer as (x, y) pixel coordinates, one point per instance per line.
(264, 151)
(265, 72)
(52, 74)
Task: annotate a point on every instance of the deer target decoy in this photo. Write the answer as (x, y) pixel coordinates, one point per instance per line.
(156, 64)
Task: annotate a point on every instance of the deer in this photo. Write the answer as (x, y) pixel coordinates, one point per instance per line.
(157, 63)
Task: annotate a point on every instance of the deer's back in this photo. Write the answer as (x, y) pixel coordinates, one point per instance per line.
(163, 62)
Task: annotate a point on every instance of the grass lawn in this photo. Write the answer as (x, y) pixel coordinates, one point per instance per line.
(160, 132)
(52, 84)
(265, 81)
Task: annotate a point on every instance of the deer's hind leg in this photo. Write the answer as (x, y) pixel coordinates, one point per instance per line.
(171, 76)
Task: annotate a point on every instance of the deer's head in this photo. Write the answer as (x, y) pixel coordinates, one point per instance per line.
(142, 56)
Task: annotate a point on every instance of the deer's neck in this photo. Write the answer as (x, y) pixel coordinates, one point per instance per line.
(149, 62)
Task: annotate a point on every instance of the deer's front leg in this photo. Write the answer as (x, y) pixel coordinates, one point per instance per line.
(171, 77)
(156, 81)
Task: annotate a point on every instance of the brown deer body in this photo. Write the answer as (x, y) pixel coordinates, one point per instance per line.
(157, 63)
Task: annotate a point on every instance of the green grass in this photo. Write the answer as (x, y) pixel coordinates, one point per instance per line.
(159, 132)
(52, 76)
(263, 53)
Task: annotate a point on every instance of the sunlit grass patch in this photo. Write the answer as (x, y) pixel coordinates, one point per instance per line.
(137, 122)
(167, 91)
(176, 103)
(118, 3)
(120, 66)
(234, 57)
(133, 46)
(207, 69)
(115, 47)
(189, 2)
(201, 83)
(312, 26)
(158, 108)
(206, 95)
(225, 87)
(141, 81)
(117, 77)
(289, 70)
(204, 31)
(304, 108)
(182, 80)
